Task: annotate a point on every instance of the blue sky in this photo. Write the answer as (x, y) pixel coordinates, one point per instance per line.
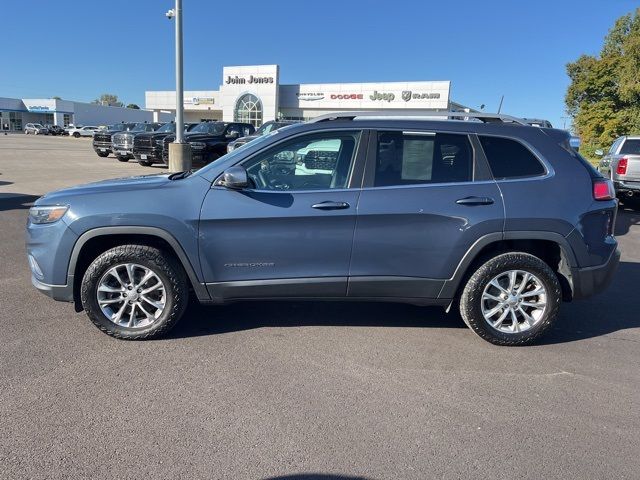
(78, 49)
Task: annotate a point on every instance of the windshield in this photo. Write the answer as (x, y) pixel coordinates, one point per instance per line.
(631, 147)
(167, 128)
(37, 125)
(213, 128)
(139, 127)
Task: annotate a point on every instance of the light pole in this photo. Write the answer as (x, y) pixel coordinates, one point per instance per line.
(179, 152)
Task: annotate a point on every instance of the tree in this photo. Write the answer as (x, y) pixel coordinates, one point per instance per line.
(108, 99)
(55, 97)
(603, 97)
(134, 106)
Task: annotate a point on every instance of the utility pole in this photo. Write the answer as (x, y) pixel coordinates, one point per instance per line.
(179, 152)
(500, 106)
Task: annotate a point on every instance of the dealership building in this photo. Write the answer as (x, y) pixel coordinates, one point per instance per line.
(254, 94)
(15, 113)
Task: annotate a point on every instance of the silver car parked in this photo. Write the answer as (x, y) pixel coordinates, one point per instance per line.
(36, 129)
(622, 164)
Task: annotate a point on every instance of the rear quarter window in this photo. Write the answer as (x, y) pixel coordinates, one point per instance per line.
(510, 159)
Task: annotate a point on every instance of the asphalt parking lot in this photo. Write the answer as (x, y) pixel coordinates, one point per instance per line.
(294, 390)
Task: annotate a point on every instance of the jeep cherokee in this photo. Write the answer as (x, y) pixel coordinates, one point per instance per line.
(498, 219)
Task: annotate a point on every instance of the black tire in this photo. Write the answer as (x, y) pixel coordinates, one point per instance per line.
(471, 298)
(103, 154)
(165, 266)
(122, 159)
(76, 135)
(145, 163)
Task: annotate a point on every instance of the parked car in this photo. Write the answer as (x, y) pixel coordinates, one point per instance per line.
(55, 130)
(35, 129)
(102, 137)
(502, 220)
(77, 132)
(622, 165)
(209, 140)
(122, 143)
(264, 129)
(147, 147)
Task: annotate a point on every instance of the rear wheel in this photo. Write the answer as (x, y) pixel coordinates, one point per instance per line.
(76, 135)
(511, 299)
(134, 292)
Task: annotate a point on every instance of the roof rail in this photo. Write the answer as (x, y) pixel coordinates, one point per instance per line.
(400, 114)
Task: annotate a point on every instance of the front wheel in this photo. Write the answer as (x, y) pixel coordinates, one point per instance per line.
(76, 135)
(122, 159)
(134, 292)
(511, 299)
(103, 154)
(145, 163)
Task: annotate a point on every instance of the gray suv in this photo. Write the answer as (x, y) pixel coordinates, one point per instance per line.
(487, 215)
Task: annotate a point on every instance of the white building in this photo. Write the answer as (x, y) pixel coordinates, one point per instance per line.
(254, 94)
(15, 113)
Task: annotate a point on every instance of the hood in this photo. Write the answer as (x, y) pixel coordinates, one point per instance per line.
(67, 195)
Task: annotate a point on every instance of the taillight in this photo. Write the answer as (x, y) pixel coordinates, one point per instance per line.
(603, 190)
(622, 166)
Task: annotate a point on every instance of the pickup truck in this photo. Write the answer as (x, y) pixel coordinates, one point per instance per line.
(622, 165)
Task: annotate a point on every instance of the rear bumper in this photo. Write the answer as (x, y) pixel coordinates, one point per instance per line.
(592, 280)
(62, 293)
(627, 187)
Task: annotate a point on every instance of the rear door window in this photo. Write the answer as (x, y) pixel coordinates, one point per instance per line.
(510, 159)
(409, 158)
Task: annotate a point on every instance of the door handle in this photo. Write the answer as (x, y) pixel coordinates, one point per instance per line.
(470, 201)
(330, 205)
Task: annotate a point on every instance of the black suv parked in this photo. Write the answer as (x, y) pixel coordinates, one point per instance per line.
(147, 147)
(209, 140)
(264, 129)
(102, 138)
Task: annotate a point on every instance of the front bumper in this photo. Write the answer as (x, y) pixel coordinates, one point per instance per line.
(62, 293)
(122, 151)
(592, 280)
(153, 154)
(102, 147)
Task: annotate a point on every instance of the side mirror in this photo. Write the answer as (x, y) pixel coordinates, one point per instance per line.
(599, 152)
(233, 135)
(235, 178)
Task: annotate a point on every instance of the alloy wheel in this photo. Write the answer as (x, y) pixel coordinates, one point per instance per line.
(131, 295)
(514, 301)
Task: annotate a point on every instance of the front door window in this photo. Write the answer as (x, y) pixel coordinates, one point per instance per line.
(312, 162)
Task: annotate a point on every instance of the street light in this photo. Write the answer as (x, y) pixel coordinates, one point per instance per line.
(179, 152)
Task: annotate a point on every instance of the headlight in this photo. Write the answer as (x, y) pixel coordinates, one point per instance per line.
(159, 142)
(198, 145)
(47, 214)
